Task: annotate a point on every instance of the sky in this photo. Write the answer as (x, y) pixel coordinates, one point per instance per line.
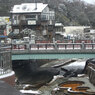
(90, 1)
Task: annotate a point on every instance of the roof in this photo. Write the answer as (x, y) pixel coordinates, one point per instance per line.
(29, 7)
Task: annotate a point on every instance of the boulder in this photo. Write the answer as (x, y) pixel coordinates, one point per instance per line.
(74, 68)
(28, 73)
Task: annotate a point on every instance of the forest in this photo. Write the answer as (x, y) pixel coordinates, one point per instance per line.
(68, 12)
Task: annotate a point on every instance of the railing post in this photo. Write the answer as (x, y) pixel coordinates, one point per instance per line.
(65, 46)
(25, 46)
(46, 46)
(92, 46)
(73, 45)
(18, 46)
(29, 46)
(11, 46)
(38, 46)
(83, 45)
(55, 46)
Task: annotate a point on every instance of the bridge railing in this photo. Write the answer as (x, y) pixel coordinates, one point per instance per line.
(5, 59)
(53, 46)
(5, 47)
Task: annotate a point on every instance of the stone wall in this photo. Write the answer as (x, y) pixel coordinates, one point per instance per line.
(92, 75)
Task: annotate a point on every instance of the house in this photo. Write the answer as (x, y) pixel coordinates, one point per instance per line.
(34, 16)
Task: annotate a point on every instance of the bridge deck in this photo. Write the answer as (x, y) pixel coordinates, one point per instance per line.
(52, 54)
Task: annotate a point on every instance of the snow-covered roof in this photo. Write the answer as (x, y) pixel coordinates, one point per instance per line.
(29, 8)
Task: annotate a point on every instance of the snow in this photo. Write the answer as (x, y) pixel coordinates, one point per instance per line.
(89, 1)
(30, 92)
(55, 78)
(7, 74)
(76, 65)
(29, 7)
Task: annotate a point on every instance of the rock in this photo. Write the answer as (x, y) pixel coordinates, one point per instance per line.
(28, 73)
(53, 71)
(74, 68)
(92, 60)
(36, 79)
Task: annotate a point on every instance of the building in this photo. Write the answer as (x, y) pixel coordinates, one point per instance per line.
(59, 31)
(5, 28)
(35, 16)
(75, 31)
(90, 33)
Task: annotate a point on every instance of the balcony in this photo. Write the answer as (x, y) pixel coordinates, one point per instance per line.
(27, 22)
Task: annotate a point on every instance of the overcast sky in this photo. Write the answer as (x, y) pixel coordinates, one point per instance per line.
(90, 1)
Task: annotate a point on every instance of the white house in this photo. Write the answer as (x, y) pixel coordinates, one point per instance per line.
(31, 12)
(34, 16)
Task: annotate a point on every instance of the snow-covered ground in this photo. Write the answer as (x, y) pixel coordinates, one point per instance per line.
(30, 92)
(6, 74)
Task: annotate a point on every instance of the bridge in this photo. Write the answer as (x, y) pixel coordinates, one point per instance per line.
(52, 51)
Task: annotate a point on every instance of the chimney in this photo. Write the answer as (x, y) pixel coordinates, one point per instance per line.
(35, 6)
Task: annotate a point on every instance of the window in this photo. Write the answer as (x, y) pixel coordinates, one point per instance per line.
(14, 17)
(31, 17)
(43, 17)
